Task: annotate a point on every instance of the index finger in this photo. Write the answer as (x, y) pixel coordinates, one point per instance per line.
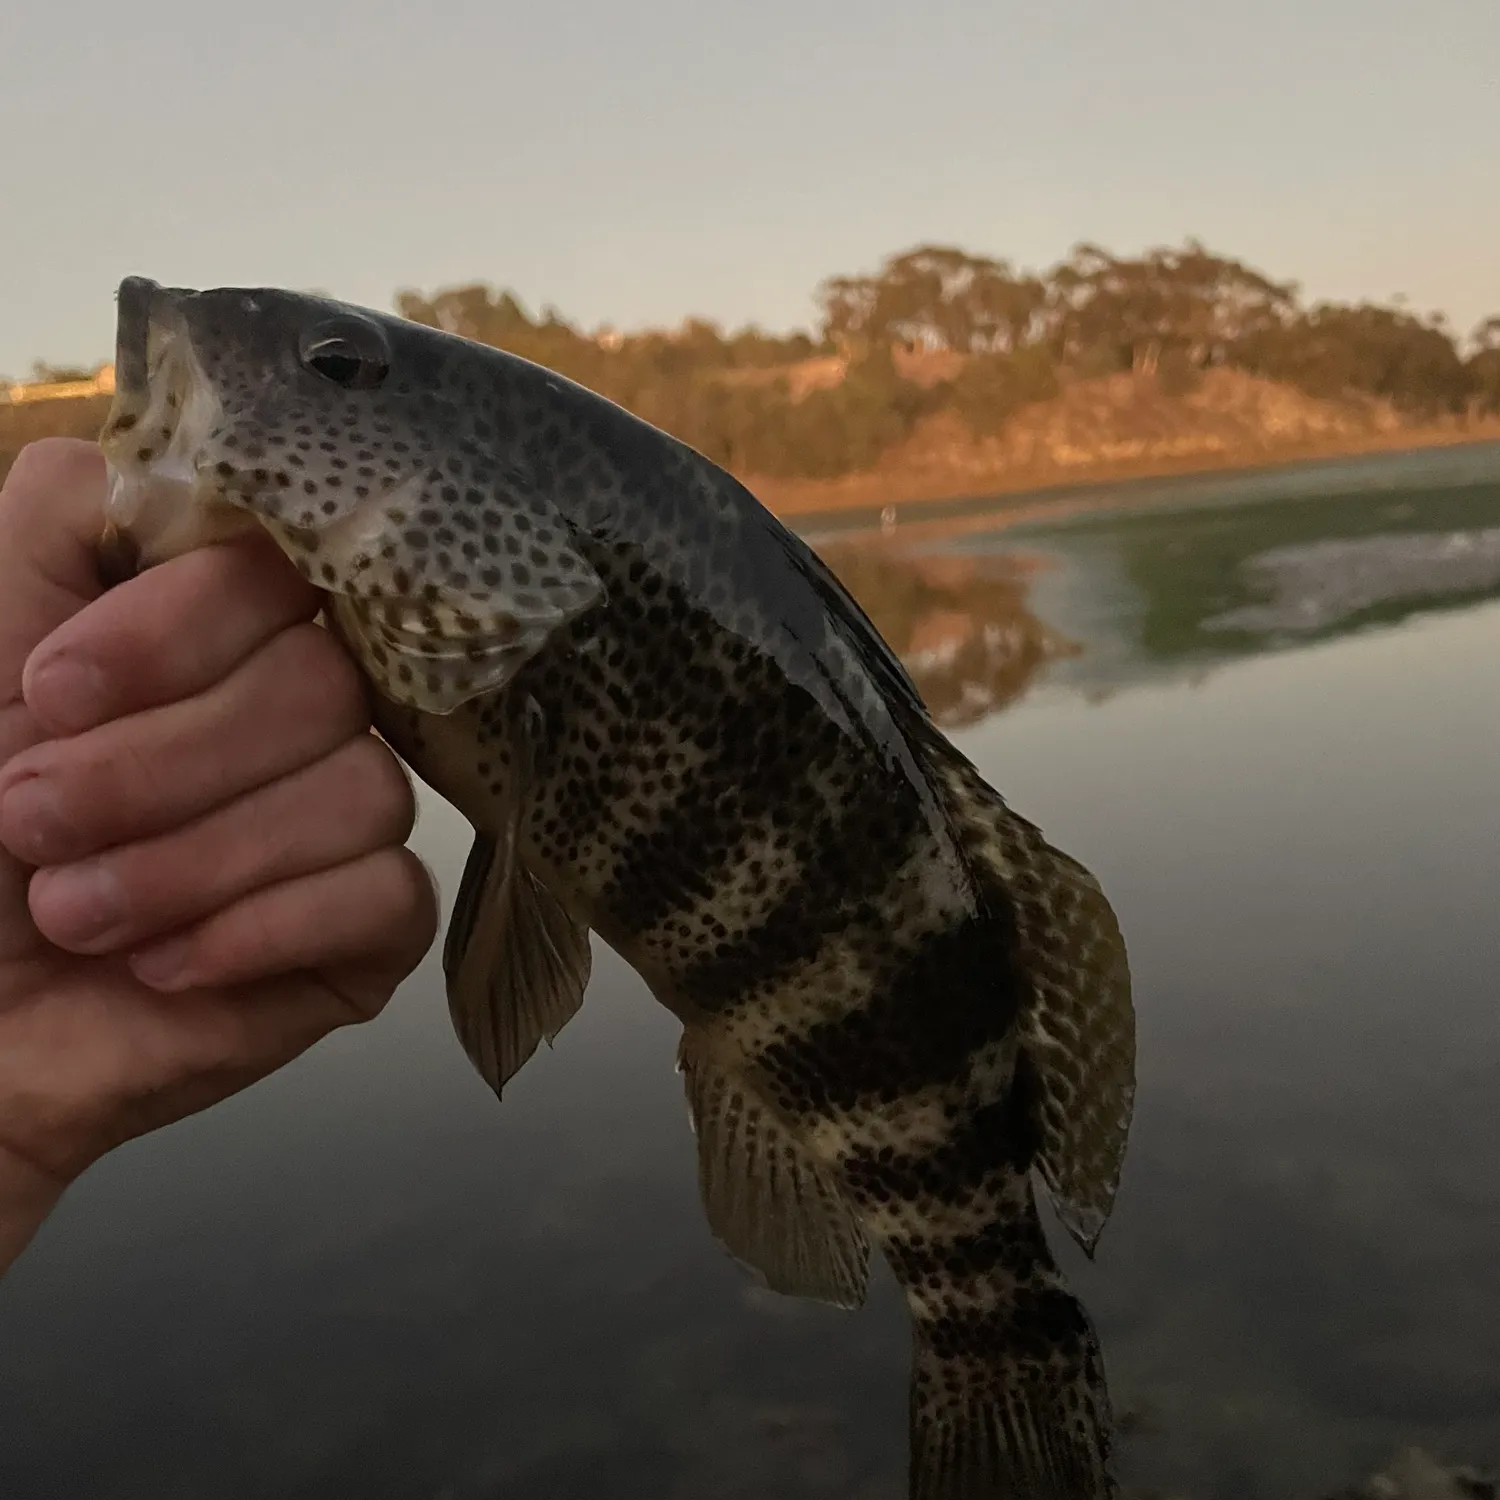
(51, 514)
(166, 634)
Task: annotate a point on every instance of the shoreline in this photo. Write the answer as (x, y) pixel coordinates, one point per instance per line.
(1047, 490)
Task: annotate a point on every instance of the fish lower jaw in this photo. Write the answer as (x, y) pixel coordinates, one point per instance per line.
(163, 515)
(153, 443)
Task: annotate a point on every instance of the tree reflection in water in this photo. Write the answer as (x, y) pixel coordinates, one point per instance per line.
(960, 623)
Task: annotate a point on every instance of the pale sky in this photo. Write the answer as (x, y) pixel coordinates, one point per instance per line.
(636, 162)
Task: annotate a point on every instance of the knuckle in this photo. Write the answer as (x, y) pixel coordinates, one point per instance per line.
(131, 779)
(259, 578)
(51, 461)
(416, 895)
(383, 795)
(322, 678)
(243, 940)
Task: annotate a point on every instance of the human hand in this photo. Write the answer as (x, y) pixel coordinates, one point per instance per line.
(203, 867)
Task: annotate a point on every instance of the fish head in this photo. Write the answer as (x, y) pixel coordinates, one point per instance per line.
(384, 458)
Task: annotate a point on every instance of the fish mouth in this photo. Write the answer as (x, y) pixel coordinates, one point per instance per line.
(160, 504)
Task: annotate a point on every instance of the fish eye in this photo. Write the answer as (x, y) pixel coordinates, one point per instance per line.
(349, 352)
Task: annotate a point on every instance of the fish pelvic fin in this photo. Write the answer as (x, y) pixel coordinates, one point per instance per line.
(517, 963)
(776, 1209)
(1077, 1023)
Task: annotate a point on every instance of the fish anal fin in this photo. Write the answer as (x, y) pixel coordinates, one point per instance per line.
(776, 1210)
(1077, 1025)
(516, 963)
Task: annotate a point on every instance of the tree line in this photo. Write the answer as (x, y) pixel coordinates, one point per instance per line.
(937, 328)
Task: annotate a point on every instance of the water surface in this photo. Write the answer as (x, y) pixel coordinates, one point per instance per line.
(1269, 721)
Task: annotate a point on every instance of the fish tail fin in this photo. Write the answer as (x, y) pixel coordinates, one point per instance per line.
(1025, 1418)
(1008, 1393)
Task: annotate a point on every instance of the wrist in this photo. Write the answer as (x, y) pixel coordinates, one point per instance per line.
(27, 1196)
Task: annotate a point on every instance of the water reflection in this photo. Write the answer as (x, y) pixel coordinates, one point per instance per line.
(1118, 597)
(962, 625)
(365, 1278)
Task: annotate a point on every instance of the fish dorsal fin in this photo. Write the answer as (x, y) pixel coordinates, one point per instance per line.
(516, 962)
(776, 1210)
(1078, 1023)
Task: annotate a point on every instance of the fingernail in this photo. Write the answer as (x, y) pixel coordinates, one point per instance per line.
(81, 902)
(32, 826)
(163, 967)
(67, 693)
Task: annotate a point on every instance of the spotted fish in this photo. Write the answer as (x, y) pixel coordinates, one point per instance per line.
(669, 724)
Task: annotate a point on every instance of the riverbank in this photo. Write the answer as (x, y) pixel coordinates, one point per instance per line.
(909, 489)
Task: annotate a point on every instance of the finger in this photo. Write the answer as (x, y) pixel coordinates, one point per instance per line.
(51, 506)
(52, 502)
(170, 633)
(184, 1053)
(52, 513)
(290, 705)
(347, 805)
(374, 917)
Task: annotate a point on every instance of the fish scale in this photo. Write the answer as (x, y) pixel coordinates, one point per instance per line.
(670, 725)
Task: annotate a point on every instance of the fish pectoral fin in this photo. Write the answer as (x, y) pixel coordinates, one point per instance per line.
(1078, 1023)
(776, 1210)
(437, 654)
(516, 962)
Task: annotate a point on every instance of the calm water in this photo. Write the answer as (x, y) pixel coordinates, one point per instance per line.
(1266, 714)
